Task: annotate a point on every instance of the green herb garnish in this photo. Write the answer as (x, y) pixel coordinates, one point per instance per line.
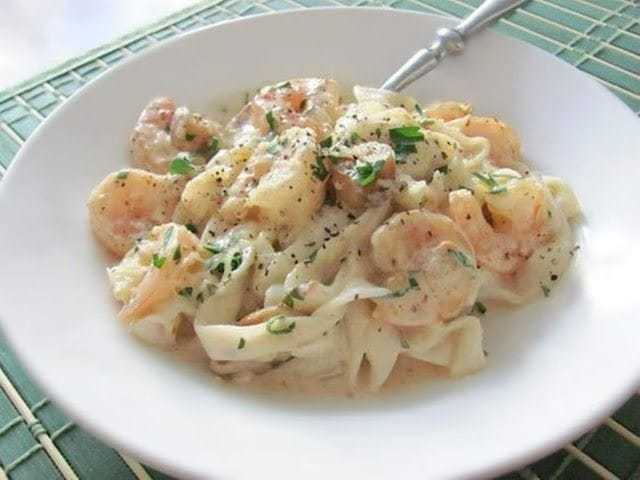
(213, 147)
(490, 182)
(271, 120)
(355, 138)
(419, 109)
(404, 343)
(405, 135)
(367, 173)
(479, 307)
(236, 261)
(241, 343)
(158, 261)
(284, 85)
(311, 257)
(404, 139)
(327, 142)
(413, 284)
(291, 296)
(214, 248)
(122, 175)
(545, 290)
(319, 169)
(192, 228)
(280, 325)
(461, 258)
(189, 137)
(186, 292)
(177, 254)
(181, 165)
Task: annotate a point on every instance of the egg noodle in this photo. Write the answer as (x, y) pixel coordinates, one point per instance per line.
(313, 239)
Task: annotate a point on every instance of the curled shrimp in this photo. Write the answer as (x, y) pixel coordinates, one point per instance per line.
(127, 204)
(191, 132)
(494, 250)
(352, 186)
(170, 258)
(303, 102)
(429, 266)
(162, 131)
(504, 141)
(505, 227)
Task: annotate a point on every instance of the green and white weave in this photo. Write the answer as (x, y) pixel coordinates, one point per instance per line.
(599, 37)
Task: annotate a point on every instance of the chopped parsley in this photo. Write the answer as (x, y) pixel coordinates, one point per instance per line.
(319, 169)
(122, 175)
(192, 228)
(378, 132)
(236, 261)
(291, 296)
(461, 258)
(479, 307)
(181, 165)
(419, 109)
(186, 292)
(367, 173)
(311, 257)
(545, 290)
(327, 142)
(241, 343)
(355, 138)
(213, 247)
(490, 182)
(177, 254)
(271, 120)
(212, 148)
(404, 139)
(404, 343)
(158, 261)
(280, 325)
(413, 284)
(284, 85)
(189, 137)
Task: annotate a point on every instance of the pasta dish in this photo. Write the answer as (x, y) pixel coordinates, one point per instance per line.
(313, 239)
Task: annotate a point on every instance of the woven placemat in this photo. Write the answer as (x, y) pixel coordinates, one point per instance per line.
(599, 37)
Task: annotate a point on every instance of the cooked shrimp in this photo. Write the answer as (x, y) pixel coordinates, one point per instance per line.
(356, 175)
(505, 144)
(162, 131)
(506, 227)
(127, 204)
(430, 267)
(448, 110)
(304, 102)
(494, 250)
(172, 260)
(192, 132)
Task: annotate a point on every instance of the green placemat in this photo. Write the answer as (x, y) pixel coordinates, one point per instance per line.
(599, 37)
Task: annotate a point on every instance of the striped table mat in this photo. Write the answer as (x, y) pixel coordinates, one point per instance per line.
(599, 37)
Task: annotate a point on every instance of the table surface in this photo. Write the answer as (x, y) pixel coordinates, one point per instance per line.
(33, 36)
(599, 37)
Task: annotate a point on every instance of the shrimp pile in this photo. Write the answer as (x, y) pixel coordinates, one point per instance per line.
(311, 241)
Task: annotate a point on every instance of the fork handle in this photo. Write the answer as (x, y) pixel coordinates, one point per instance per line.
(448, 40)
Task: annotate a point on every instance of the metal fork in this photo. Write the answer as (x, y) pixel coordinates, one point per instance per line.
(448, 41)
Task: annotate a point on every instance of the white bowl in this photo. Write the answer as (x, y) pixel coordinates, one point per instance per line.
(555, 368)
